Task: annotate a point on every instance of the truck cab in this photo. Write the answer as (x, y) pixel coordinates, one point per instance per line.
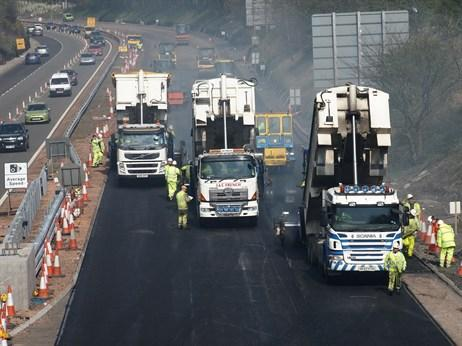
(229, 182)
(359, 226)
(205, 59)
(275, 138)
(140, 151)
(182, 34)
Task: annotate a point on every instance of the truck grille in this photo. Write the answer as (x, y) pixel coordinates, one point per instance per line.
(217, 195)
(143, 167)
(142, 156)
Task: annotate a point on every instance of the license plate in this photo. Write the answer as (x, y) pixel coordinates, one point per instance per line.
(228, 209)
(141, 175)
(366, 268)
(9, 146)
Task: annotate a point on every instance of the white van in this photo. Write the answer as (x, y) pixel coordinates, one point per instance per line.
(60, 85)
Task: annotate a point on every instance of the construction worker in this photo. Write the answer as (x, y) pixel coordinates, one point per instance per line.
(101, 144)
(186, 173)
(395, 264)
(182, 200)
(410, 203)
(96, 151)
(410, 231)
(446, 242)
(171, 177)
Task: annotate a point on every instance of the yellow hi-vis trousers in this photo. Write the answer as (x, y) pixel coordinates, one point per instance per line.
(394, 280)
(409, 243)
(446, 254)
(171, 188)
(182, 218)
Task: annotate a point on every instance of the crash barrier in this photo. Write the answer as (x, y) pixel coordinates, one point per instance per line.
(21, 225)
(28, 258)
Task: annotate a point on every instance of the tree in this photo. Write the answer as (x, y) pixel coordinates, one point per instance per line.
(421, 75)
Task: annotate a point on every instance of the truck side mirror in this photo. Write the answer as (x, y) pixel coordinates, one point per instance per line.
(324, 218)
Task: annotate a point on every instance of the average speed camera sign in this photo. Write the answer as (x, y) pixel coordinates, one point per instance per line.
(16, 175)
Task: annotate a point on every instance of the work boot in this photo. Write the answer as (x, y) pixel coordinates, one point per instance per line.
(390, 292)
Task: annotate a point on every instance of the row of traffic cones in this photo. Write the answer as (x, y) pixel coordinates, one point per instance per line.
(7, 310)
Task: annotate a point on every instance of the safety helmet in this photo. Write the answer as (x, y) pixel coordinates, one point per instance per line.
(430, 218)
(100, 135)
(169, 160)
(440, 222)
(174, 163)
(413, 212)
(410, 195)
(396, 245)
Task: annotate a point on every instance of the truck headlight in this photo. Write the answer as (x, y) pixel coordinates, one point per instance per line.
(121, 167)
(20, 138)
(205, 210)
(252, 209)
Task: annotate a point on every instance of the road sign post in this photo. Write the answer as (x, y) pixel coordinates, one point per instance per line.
(15, 178)
(454, 209)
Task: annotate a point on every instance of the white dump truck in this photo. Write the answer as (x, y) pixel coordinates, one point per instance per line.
(143, 141)
(227, 173)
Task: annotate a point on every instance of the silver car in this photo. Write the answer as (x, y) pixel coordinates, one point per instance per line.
(42, 50)
(87, 59)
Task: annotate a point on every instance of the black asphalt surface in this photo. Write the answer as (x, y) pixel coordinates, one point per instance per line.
(25, 87)
(143, 282)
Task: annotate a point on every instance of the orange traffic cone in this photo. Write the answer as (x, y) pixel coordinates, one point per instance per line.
(43, 289)
(432, 247)
(90, 160)
(428, 236)
(459, 270)
(59, 240)
(65, 226)
(57, 266)
(71, 222)
(73, 241)
(45, 271)
(3, 317)
(49, 264)
(87, 180)
(9, 303)
(424, 230)
(85, 193)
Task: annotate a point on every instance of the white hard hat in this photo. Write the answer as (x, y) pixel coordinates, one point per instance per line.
(430, 219)
(395, 245)
(174, 163)
(100, 135)
(413, 212)
(169, 159)
(410, 195)
(440, 222)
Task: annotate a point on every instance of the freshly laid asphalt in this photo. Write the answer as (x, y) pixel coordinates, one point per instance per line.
(143, 282)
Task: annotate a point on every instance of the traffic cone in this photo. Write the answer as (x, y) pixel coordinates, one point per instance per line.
(90, 160)
(9, 303)
(73, 241)
(49, 264)
(85, 193)
(66, 230)
(59, 240)
(71, 222)
(432, 247)
(459, 270)
(43, 289)
(48, 245)
(57, 266)
(3, 317)
(424, 230)
(428, 236)
(45, 270)
(87, 180)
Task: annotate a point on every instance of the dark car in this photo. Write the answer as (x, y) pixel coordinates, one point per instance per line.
(95, 49)
(64, 28)
(32, 58)
(75, 30)
(13, 136)
(72, 76)
(51, 26)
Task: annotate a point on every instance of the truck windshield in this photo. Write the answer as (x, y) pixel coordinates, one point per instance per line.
(206, 52)
(365, 218)
(274, 125)
(287, 124)
(142, 141)
(227, 169)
